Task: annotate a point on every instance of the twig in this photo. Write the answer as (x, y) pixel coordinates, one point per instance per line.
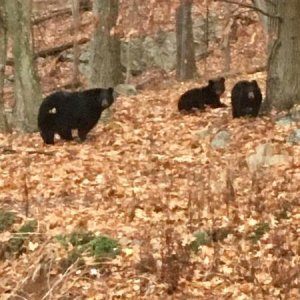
(8, 150)
(26, 195)
(57, 282)
(59, 13)
(250, 71)
(251, 7)
(40, 255)
(41, 152)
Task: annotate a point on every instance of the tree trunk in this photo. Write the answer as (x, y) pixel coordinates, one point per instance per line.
(76, 26)
(283, 79)
(270, 25)
(105, 61)
(186, 65)
(263, 5)
(27, 89)
(226, 39)
(3, 47)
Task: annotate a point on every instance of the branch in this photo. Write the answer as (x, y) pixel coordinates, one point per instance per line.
(249, 71)
(60, 13)
(58, 49)
(9, 150)
(271, 2)
(84, 6)
(249, 6)
(52, 51)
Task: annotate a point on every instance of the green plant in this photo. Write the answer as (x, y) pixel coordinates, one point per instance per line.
(284, 212)
(80, 238)
(201, 238)
(102, 246)
(76, 238)
(7, 218)
(260, 230)
(88, 243)
(17, 241)
(29, 226)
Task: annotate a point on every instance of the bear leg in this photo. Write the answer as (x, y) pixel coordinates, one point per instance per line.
(66, 134)
(82, 133)
(48, 137)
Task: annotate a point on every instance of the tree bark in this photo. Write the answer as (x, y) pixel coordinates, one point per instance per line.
(27, 89)
(186, 65)
(270, 25)
(105, 60)
(76, 26)
(263, 5)
(283, 79)
(3, 47)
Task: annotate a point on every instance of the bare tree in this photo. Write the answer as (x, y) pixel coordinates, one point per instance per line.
(76, 26)
(226, 38)
(128, 46)
(3, 45)
(281, 22)
(186, 65)
(283, 78)
(262, 5)
(27, 89)
(105, 61)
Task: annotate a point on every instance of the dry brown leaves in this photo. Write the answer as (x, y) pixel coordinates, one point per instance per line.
(146, 173)
(149, 180)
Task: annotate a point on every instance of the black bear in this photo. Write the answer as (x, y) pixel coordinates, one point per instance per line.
(63, 111)
(198, 98)
(246, 99)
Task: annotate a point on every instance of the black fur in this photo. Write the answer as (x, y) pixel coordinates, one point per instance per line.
(246, 99)
(198, 98)
(63, 111)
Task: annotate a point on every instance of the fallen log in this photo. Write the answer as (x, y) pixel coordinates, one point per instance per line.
(52, 51)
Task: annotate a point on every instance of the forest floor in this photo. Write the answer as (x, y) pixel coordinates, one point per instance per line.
(191, 221)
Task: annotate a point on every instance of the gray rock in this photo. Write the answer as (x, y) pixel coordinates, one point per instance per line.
(157, 50)
(221, 140)
(295, 113)
(126, 89)
(136, 53)
(264, 157)
(292, 116)
(151, 51)
(204, 132)
(294, 137)
(160, 50)
(284, 121)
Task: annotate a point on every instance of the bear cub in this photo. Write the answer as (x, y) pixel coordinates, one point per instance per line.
(63, 111)
(198, 98)
(246, 99)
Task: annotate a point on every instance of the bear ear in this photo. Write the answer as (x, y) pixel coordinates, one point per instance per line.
(110, 90)
(254, 82)
(210, 82)
(222, 79)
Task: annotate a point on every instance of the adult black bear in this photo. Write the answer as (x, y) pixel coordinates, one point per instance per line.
(246, 99)
(63, 111)
(198, 98)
